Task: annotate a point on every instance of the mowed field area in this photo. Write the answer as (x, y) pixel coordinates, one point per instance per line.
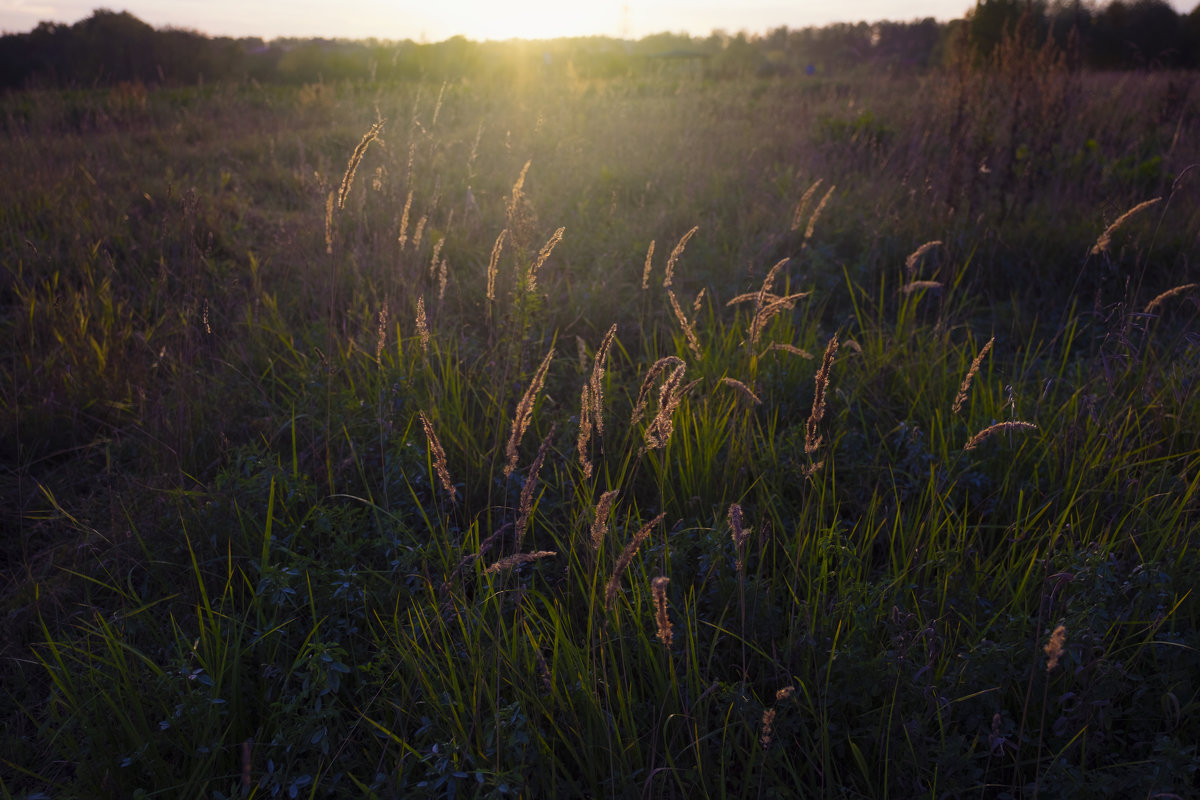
(654, 436)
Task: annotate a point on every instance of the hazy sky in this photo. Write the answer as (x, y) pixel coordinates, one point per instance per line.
(435, 20)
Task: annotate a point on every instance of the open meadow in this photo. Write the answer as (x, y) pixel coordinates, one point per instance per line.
(653, 436)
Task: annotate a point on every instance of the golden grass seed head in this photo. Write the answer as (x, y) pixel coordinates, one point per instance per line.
(662, 621)
(646, 268)
(439, 457)
(669, 273)
(910, 263)
(600, 522)
(1102, 244)
(614, 581)
(1000, 427)
(966, 384)
(1054, 648)
(805, 199)
(422, 325)
(524, 412)
(517, 559)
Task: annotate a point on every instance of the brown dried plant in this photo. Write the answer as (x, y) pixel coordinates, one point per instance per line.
(1102, 244)
(662, 622)
(381, 332)
(657, 368)
(768, 720)
(517, 559)
(524, 412)
(585, 431)
(910, 263)
(419, 231)
(789, 348)
(1153, 305)
(329, 224)
(1054, 648)
(614, 581)
(439, 457)
(520, 218)
(739, 533)
(658, 432)
(816, 215)
(646, 268)
(966, 384)
(766, 304)
(527, 491)
(689, 331)
(403, 237)
(917, 286)
(355, 159)
(812, 437)
(493, 263)
(669, 273)
(805, 199)
(599, 365)
(542, 255)
(600, 522)
(437, 252)
(742, 389)
(422, 325)
(999, 427)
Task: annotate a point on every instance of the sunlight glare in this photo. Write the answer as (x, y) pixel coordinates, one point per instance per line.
(536, 19)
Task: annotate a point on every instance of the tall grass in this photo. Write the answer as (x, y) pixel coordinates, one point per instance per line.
(303, 503)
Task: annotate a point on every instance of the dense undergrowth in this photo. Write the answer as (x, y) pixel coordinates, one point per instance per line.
(238, 565)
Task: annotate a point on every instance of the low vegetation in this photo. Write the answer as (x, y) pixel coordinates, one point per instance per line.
(631, 437)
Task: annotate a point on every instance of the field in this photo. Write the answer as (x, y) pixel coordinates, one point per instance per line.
(646, 437)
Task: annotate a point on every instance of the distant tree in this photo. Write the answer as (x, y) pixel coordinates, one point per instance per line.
(991, 20)
(1139, 34)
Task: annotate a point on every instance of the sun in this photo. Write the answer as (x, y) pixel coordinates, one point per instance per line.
(535, 19)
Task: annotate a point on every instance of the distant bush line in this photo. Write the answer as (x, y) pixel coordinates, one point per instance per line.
(110, 48)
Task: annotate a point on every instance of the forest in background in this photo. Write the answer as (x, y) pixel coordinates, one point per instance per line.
(114, 47)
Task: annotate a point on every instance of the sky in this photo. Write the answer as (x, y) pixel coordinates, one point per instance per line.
(436, 20)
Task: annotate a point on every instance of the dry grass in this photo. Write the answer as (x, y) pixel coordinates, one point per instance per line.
(542, 255)
(966, 384)
(910, 263)
(517, 559)
(742, 389)
(614, 581)
(1102, 244)
(646, 268)
(439, 457)
(669, 272)
(355, 159)
(1154, 304)
(1000, 427)
(600, 522)
(662, 622)
(1054, 648)
(524, 413)
(812, 436)
(527, 491)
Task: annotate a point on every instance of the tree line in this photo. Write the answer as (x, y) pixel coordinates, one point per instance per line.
(109, 48)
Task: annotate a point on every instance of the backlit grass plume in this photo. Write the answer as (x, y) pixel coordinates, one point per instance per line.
(1000, 427)
(1102, 244)
(614, 581)
(524, 412)
(355, 159)
(669, 273)
(970, 376)
(439, 457)
(812, 435)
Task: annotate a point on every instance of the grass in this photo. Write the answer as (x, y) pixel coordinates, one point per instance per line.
(235, 563)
